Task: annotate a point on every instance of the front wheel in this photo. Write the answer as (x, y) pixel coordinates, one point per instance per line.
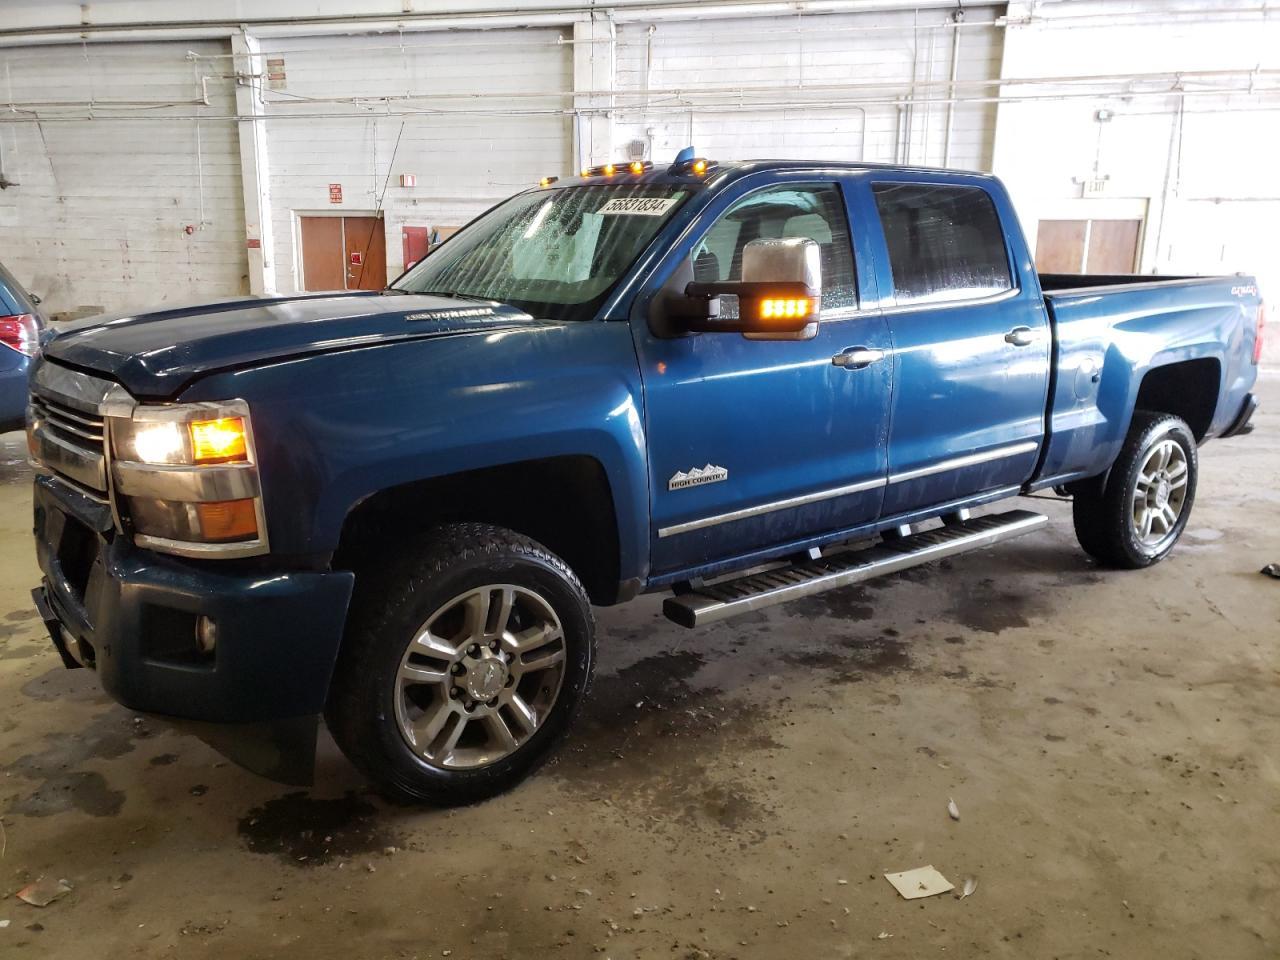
(462, 671)
(1146, 503)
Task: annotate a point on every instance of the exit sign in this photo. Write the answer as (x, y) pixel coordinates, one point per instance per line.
(335, 193)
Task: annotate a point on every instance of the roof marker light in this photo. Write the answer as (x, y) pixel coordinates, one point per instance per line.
(636, 167)
(699, 167)
(547, 181)
(608, 169)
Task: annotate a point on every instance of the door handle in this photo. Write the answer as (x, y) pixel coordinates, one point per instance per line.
(1020, 337)
(855, 358)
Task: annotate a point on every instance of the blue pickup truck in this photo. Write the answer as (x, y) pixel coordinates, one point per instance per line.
(741, 383)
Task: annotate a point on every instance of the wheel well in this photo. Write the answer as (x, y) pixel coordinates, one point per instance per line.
(1188, 390)
(562, 502)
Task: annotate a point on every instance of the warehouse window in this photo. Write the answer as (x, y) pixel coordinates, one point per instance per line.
(945, 242)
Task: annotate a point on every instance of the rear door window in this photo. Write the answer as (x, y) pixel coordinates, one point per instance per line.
(945, 242)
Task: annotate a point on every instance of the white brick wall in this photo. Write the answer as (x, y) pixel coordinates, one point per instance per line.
(1209, 190)
(464, 160)
(828, 54)
(98, 216)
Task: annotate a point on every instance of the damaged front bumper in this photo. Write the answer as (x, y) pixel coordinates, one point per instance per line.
(144, 622)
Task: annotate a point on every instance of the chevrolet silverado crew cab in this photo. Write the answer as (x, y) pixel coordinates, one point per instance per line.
(738, 382)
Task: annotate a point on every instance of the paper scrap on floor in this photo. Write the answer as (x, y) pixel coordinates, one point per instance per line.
(920, 882)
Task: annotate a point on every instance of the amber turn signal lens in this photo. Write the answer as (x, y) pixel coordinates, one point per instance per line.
(778, 309)
(227, 520)
(699, 167)
(218, 441)
(637, 167)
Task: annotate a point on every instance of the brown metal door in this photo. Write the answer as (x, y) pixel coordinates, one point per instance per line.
(322, 261)
(1060, 246)
(1113, 246)
(366, 253)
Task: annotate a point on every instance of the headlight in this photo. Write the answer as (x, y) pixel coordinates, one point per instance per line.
(186, 479)
(170, 441)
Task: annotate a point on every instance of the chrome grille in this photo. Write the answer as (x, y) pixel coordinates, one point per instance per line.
(69, 443)
(72, 425)
(68, 426)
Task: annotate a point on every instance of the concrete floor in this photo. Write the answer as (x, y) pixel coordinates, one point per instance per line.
(1110, 740)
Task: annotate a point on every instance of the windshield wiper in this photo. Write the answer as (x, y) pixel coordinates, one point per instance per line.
(454, 294)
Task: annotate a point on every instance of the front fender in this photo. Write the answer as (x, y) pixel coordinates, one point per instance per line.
(334, 429)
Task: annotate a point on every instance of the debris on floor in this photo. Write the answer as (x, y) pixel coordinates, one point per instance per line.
(952, 809)
(1271, 570)
(44, 891)
(970, 885)
(3, 924)
(920, 882)
(882, 935)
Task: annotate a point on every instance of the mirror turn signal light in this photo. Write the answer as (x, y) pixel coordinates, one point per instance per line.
(218, 441)
(772, 308)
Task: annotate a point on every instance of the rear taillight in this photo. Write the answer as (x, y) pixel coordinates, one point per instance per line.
(20, 333)
(1257, 337)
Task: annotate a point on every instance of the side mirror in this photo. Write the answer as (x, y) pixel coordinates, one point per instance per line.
(34, 299)
(779, 295)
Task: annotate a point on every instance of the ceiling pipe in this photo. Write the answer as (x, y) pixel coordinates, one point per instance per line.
(623, 11)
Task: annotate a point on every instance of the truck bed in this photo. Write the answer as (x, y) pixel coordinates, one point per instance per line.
(1065, 282)
(1118, 337)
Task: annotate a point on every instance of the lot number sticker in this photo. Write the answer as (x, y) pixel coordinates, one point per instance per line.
(639, 206)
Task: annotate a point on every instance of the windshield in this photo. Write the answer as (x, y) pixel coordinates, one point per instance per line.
(554, 254)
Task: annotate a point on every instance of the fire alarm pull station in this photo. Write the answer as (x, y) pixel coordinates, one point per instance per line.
(357, 258)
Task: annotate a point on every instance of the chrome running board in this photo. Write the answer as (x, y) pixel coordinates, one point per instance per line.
(709, 603)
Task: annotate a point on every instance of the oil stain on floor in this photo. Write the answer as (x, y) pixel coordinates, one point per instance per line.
(307, 831)
(61, 785)
(648, 742)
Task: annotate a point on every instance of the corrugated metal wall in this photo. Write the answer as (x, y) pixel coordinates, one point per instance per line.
(100, 212)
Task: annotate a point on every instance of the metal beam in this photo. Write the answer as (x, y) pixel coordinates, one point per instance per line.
(255, 168)
(593, 80)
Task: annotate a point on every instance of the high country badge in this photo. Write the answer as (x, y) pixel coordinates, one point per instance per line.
(697, 477)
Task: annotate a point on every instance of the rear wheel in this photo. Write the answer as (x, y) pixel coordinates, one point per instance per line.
(462, 671)
(1141, 512)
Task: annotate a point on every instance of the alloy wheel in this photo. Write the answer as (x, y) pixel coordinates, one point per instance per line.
(480, 677)
(1160, 493)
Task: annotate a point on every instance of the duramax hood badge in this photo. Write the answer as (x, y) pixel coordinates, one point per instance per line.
(455, 313)
(697, 477)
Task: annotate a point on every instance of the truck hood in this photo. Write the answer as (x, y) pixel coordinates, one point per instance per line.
(156, 354)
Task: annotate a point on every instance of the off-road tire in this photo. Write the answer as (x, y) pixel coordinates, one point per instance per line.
(1103, 521)
(391, 604)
